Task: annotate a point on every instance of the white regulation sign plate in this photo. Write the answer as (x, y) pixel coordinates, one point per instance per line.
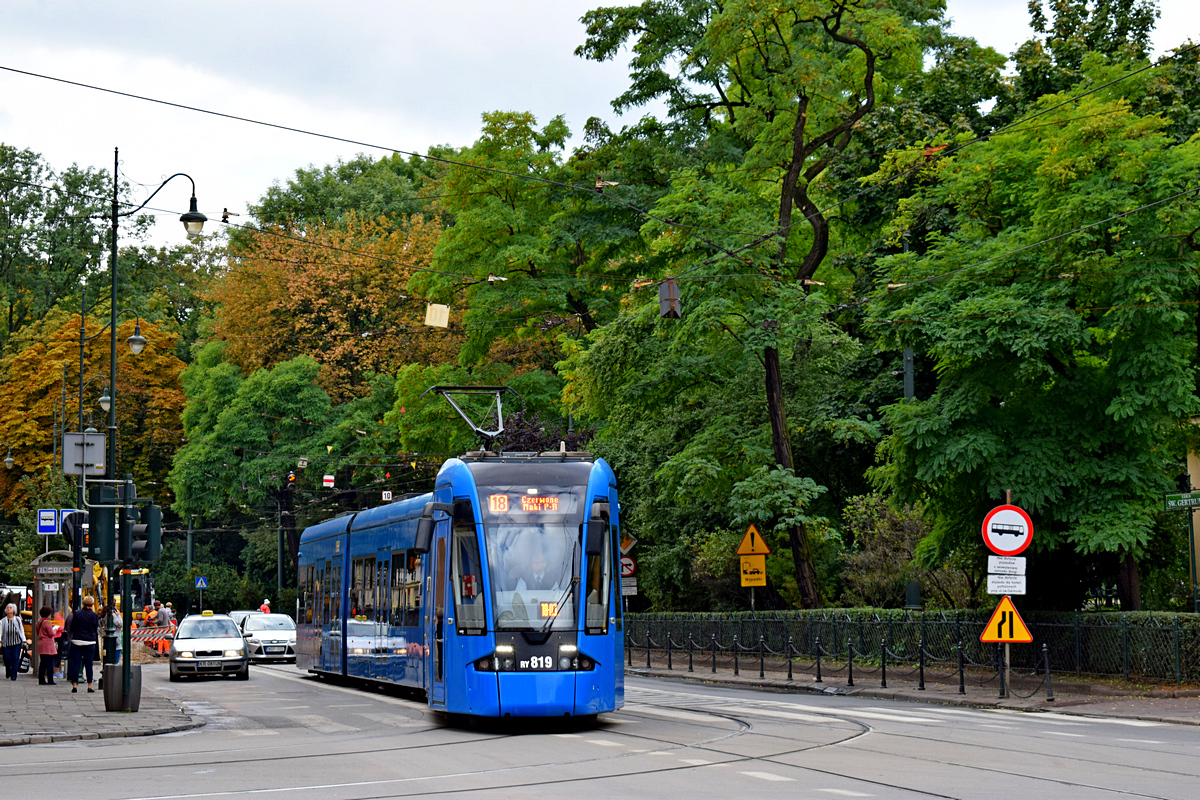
(1006, 565)
(1007, 530)
(1006, 584)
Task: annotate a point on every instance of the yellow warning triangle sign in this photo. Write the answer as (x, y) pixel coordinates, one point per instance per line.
(1006, 625)
(753, 544)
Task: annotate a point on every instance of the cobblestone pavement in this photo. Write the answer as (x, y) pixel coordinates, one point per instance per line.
(33, 714)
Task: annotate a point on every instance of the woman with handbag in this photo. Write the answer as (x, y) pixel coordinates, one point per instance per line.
(46, 647)
(12, 639)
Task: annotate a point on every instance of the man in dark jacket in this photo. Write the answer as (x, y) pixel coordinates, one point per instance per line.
(84, 632)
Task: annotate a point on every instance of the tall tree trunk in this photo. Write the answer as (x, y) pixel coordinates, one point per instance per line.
(806, 577)
(1129, 583)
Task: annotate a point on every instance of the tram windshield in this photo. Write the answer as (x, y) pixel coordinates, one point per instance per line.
(532, 536)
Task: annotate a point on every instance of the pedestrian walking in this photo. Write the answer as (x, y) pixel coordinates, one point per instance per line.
(47, 649)
(85, 625)
(12, 639)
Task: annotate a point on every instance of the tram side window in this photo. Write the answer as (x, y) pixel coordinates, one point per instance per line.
(336, 589)
(412, 591)
(368, 592)
(466, 571)
(320, 599)
(598, 576)
(306, 599)
(396, 615)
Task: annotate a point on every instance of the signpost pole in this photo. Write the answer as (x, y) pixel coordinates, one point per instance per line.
(1192, 554)
(752, 598)
(1007, 668)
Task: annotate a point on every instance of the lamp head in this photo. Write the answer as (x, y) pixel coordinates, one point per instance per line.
(137, 343)
(193, 221)
(105, 400)
(8, 460)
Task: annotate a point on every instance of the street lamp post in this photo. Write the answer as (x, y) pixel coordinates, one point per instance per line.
(193, 222)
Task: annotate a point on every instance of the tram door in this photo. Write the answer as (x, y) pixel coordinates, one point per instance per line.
(436, 623)
(383, 605)
(318, 608)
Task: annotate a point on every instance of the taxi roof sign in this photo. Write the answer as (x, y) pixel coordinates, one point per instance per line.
(753, 544)
(1006, 625)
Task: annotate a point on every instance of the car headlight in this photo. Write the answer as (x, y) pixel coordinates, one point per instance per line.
(186, 654)
(234, 653)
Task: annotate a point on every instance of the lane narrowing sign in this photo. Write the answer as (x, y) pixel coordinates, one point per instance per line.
(1006, 625)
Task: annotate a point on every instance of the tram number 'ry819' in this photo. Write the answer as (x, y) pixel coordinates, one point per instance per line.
(539, 662)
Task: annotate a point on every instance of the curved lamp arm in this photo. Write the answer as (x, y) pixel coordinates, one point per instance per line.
(137, 342)
(193, 221)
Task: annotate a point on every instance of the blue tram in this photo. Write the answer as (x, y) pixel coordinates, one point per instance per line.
(495, 595)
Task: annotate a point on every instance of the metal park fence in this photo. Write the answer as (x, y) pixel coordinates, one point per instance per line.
(1134, 646)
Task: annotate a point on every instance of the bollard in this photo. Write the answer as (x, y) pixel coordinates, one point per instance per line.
(689, 652)
(818, 660)
(962, 685)
(921, 665)
(629, 647)
(647, 648)
(883, 664)
(1046, 661)
(714, 653)
(789, 654)
(668, 650)
(735, 654)
(761, 657)
(850, 661)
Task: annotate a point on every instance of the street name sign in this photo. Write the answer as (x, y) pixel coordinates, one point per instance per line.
(1181, 501)
(1006, 584)
(1006, 565)
(1007, 530)
(1006, 626)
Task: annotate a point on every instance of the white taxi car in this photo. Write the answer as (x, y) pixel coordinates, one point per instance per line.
(208, 644)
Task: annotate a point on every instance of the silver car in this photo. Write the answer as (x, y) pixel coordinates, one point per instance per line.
(270, 637)
(208, 644)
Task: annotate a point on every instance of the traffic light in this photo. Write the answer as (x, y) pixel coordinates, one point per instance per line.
(75, 530)
(669, 304)
(102, 525)
(146, 536)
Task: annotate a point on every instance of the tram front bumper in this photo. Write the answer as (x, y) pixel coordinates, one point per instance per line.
(537, 694)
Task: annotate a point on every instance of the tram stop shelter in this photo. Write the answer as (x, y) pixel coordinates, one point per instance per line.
(51, 587)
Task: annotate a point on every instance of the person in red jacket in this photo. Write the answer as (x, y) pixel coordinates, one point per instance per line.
(266, 606)
(47, 648)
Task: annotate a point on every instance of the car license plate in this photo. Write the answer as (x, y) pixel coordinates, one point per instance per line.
(208, 663)
(274, 649)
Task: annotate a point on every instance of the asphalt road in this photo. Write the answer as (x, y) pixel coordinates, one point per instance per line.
(285, 736)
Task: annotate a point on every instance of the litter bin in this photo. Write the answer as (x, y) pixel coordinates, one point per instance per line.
(114, 685)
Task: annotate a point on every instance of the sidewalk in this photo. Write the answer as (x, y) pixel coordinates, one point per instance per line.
(1178, 706)
(32, 714)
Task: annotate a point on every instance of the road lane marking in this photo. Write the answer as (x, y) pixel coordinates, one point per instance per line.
(322, 724)
(843, 792)
(604, 742)
(658, 711)
(567, 735)
(1141, 741)
(766, 776)
(695, 762)
(1064, 733)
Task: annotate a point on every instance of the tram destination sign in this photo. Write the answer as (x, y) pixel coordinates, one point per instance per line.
(1181, 501)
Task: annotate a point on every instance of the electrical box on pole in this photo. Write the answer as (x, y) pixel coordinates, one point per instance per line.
(102, 525)
(669, 304)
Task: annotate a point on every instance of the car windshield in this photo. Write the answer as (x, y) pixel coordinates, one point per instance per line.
(207, 629)
(271, 622)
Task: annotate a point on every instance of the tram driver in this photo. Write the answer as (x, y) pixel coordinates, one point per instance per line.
(537, 575)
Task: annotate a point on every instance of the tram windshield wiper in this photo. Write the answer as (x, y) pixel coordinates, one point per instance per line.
(567, 591)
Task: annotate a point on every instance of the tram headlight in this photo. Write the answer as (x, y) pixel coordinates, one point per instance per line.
(564, 663)
(508, 663)
(567, 648)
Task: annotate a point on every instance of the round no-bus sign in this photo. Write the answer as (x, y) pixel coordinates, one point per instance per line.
(1007, 530)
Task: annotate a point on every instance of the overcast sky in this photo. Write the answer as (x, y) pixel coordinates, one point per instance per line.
(404, 75)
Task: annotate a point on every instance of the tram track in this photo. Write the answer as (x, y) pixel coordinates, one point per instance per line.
(515, 777)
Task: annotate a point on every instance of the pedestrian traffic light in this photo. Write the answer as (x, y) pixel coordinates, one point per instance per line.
(146, 536)
(669, 304)
(102, 525)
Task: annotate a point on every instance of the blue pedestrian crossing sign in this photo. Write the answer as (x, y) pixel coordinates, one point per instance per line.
(201, 583)
(47, 521)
